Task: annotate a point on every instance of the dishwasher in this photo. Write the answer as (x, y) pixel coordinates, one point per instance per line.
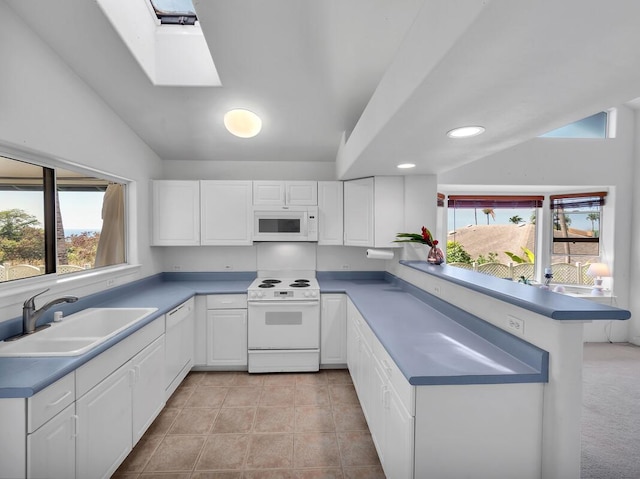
(179, 344)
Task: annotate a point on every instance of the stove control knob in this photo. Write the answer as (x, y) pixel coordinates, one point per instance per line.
(260, 294)
(252, 294)
(314, 293)
(306, 294)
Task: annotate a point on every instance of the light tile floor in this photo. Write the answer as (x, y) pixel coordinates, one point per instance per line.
(235, 425)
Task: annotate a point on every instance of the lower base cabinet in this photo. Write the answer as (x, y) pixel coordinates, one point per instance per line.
(52, 448)
(114, 415)
(390, 421)
(105, 425)
(227, 331)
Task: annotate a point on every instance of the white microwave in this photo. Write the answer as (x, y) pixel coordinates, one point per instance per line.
(285, 223)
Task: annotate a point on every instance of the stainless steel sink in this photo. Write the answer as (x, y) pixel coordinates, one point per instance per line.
(76, 334)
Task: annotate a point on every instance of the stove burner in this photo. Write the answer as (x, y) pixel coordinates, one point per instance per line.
(271, 281)
(299, 285)
(302, 281)
(266, 285)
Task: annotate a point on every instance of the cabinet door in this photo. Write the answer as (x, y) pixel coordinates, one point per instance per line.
(353, 345)
(301, 193)
(51, 450)
(104, 425)
(148, 388)
(175, 213)
(226, 212)
(330, 213)
(388, 210)
(227, 337)
(398, 437)
(268, 193)
(358, 212)
(333, 329)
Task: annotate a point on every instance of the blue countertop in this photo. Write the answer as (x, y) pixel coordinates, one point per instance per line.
(430, 347)
(432, 342)
(544, 302)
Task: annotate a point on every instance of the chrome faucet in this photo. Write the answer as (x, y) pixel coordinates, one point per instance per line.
(30, 315)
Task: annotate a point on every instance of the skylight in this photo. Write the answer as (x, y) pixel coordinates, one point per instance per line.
(175, 12)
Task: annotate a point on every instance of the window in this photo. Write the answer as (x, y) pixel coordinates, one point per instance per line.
(576, 235)
(57, 221)
(594, 126)
(493, 234)
(175, 12)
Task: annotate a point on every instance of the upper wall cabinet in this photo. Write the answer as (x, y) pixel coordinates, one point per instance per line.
(280, 193)
(175, 213)
(226, 212)
(330, 213)
(373, 211)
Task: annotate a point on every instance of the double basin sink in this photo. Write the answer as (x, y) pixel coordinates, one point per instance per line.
(76, 334)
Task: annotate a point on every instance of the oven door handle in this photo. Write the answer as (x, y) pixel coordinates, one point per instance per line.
(292, 302)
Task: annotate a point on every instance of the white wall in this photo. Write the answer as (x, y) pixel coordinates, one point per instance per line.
(49, 115)
(609, 163)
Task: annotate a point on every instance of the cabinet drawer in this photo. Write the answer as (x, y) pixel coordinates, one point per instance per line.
(50, 401)
(405, 391)
(227, 301)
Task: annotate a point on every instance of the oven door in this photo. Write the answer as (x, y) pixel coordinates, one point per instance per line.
(284, 324)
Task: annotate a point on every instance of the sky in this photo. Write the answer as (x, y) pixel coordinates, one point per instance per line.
(465, 217)
(80, 210)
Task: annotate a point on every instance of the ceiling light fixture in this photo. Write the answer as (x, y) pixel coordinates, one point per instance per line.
(242, 123)
(465, 131)
(406, 165)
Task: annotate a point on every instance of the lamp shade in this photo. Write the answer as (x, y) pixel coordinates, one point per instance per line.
(599, 270)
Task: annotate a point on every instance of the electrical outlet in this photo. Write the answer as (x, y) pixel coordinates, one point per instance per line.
(436, 290)
(346, 266)
(515, 325)
(111, 282)
(177, 268)
(228, 267)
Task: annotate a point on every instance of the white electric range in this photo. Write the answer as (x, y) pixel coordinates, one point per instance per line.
(284, 323)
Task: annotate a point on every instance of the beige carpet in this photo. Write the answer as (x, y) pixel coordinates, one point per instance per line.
(611, 411)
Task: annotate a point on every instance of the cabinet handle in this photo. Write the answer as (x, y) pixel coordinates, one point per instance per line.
(74, 426)
(176, 310)
(132, 377)
(58, 401)
(385, 397)
(387, 368)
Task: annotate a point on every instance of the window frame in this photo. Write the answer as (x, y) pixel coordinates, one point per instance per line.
(50, 276)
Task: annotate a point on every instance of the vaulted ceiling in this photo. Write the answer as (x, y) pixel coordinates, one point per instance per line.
(372, 83)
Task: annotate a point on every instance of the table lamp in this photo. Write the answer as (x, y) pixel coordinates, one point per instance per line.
(598, 271)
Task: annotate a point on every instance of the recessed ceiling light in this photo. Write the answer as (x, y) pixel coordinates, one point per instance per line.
(406, 165)
(242, 123)
(465, 131)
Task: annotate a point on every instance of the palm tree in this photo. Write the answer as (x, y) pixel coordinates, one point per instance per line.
(593, 217)
(489, 212)
(515, 219)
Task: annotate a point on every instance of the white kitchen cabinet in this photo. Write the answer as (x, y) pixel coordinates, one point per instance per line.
(387, 399)
(333, 329)
(280, 193)
(113, 415)
(227, 331)
(148, 390)
(104, 425)
(51, 449)
(175, 213)
(226, 213)
(330, 213)
(373, 211)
